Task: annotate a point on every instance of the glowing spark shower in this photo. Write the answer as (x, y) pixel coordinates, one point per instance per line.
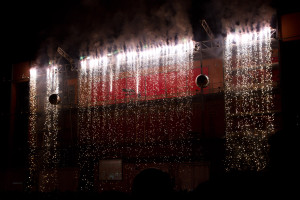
(43, 155)
(116, 114)
(133, 104)
(32, 137)
(49, 159)
(248, 99)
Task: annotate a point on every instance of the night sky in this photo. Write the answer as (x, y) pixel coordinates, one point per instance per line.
(36, 28)
(31, 24)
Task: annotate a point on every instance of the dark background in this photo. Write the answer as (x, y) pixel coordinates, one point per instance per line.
(31, 28)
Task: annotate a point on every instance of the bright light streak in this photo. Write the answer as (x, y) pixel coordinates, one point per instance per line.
(83, 64)
(94, 62)
(133, 56)
(33, 73)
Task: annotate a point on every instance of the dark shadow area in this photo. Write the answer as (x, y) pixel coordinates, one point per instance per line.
(64, 195)
(280, 178)
(152, 183)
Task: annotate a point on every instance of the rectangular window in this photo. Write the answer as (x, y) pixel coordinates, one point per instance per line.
(110, 169)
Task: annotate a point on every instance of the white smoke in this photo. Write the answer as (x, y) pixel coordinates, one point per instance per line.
(96, 26)
(244, 15)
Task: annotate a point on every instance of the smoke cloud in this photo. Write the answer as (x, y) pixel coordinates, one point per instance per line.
(95, 27)
(244, 15)
(87, 27)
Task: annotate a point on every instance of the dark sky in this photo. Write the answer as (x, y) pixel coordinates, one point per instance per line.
(31, 22)
(36, 28)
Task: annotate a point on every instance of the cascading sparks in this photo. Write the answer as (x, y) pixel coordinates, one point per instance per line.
(248, 99)
(50, 141)
(32, 136)
(116, 111)
(43, 156)
(129, 103)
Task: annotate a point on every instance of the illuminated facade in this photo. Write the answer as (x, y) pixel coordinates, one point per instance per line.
(125, 112)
